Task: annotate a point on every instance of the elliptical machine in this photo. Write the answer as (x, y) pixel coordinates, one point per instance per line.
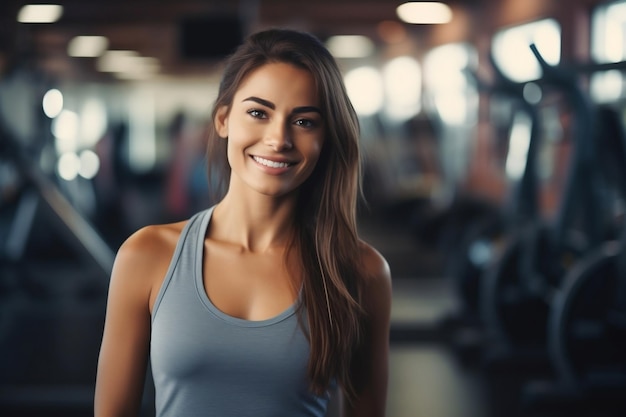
(518, 292)
(587, 319)
(482, 242)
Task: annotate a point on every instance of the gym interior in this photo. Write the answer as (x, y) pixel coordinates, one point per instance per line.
(494, 181)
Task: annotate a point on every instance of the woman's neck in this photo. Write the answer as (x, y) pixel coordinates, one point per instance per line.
(255, 223)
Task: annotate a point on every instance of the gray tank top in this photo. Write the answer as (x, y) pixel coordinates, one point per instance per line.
(207, 363)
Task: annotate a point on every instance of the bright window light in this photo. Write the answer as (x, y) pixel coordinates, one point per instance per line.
(365, 89)
(402, 77)
(40, 13)
(511, 49)
(444, 66)
(518, 146)
(350, 46)
(608, 32)
(68, 166)
(446, 82)
(607, 86)
(52, 103)
(142, 131)
(452, 107)
(93, 122)
(613, 48)
(89, 164)
(424, 13)
(65, 131)
(87, 46)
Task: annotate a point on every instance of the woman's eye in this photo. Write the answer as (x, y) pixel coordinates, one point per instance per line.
(305, 123)
(257, 114)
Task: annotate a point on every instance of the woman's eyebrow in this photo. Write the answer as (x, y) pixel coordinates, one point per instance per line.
(269, 104)
(261, 101)
(307, 109)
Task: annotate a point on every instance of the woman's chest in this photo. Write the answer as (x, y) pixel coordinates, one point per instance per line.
(250, 286)
(194, 343)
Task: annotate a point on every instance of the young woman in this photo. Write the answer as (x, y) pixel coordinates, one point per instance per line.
(268, 302)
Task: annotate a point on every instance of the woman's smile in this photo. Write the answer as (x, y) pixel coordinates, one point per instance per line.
(272, 163)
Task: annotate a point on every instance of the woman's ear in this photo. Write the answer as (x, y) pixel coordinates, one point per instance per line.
(221, 121)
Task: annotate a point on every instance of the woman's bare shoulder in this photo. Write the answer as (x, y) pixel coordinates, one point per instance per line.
(376, 277)
(151, 241)
(376, 267)
(144, 257)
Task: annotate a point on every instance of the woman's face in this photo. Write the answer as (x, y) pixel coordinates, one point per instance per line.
(274, 129)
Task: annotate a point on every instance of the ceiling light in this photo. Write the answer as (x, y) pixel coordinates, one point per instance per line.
(350, 46)
(40, 13)
(127, 61)
(424, 12)
(114, 61)
(133, 76)
(87, 46)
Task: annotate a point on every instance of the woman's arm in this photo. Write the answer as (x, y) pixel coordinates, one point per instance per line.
(125, 344)
(371, 367)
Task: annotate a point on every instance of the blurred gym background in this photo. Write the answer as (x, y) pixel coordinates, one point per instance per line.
(494, 172)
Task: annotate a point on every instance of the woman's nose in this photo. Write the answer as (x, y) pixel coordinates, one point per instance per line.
(278, 136)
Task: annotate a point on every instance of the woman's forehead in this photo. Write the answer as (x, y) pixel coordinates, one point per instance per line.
(280, 80)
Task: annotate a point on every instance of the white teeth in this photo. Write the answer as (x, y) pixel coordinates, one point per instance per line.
(269, 163)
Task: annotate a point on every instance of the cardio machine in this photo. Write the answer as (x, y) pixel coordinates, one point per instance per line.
(587, 318)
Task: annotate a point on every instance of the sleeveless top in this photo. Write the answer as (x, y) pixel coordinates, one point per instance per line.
(207, 363)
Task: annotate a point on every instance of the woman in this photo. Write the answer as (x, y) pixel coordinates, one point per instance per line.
(268, 302)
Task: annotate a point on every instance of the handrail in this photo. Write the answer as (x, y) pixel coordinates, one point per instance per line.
(580, 182)
(526, 193)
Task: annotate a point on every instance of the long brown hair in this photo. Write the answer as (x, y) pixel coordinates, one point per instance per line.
(326, 229)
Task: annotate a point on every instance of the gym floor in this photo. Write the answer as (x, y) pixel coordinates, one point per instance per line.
(425, 379)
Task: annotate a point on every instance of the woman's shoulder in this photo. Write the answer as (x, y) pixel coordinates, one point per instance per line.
(152, 240)
(376, 275)
(374, 263)
(144, 257)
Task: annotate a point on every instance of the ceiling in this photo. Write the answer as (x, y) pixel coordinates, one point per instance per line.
(156, 28)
